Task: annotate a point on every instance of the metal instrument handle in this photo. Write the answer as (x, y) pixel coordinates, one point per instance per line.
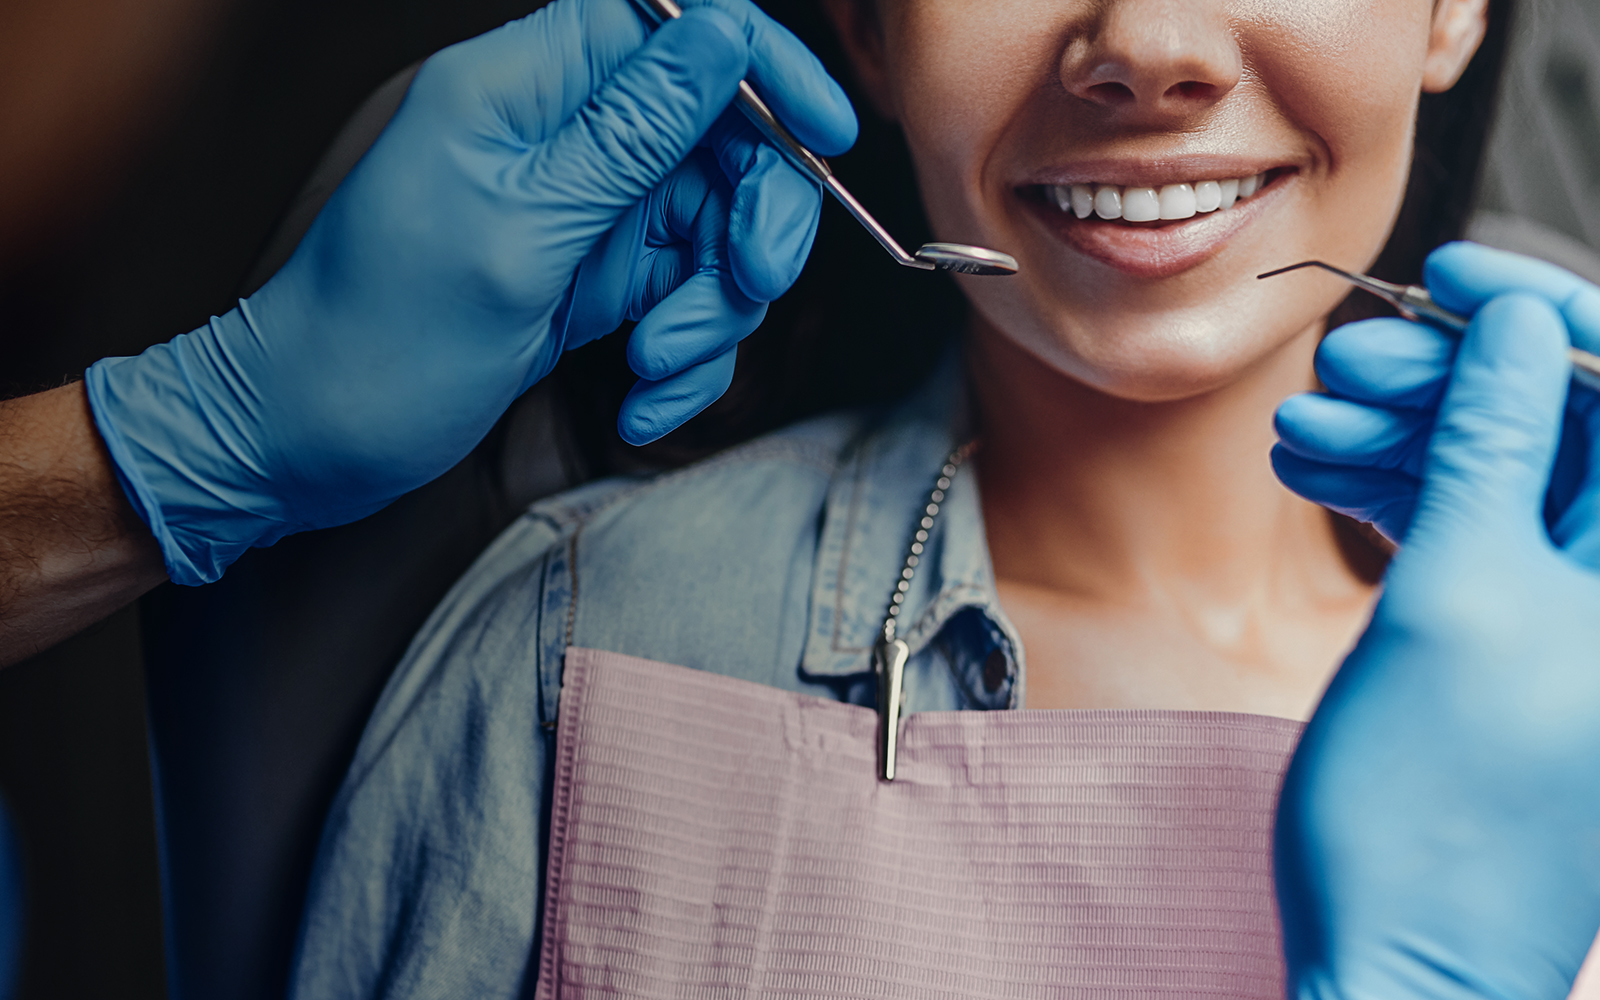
(796, 153)
(767, 124)
(1414, 302)
(760, 115)
(806, 161)
(873, 226)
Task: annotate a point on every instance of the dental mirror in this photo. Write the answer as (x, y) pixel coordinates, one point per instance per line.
(965, 259)
(958, 257)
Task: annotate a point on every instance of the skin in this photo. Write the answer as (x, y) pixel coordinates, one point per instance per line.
(1142, 546)
(71, 548)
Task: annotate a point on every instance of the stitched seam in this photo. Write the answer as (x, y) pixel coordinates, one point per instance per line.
(844, 559)
(547, 718)
(814, 456)
(560, 818)
(572, 577)
(805, 455)
(956, 598)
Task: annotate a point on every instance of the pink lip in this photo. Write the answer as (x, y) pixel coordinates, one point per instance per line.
(1157, 251)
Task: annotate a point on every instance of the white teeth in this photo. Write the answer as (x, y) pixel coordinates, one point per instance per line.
(1108, 202)
(1147, 204)
(1082, 200)
(1075, 198)
(1140, 204)
(1178, 202)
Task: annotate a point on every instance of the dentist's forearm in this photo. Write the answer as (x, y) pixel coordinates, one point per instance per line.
(72, 550)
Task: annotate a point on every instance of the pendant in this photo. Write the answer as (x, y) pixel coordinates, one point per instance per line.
(889, 663)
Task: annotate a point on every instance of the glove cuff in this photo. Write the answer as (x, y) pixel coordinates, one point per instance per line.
(169, 420)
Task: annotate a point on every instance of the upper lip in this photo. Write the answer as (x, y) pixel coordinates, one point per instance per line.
(1154, 171)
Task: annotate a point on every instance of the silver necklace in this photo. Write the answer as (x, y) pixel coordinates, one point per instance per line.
(890, 653)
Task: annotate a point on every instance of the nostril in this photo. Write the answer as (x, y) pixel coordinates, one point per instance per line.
(1193, 90)
(1111, 93)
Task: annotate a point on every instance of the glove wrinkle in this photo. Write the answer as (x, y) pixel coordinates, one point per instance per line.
(530, 192)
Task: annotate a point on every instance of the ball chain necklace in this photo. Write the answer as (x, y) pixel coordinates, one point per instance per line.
(890, 653)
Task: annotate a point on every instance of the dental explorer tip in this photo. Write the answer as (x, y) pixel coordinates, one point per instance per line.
(1304, 263)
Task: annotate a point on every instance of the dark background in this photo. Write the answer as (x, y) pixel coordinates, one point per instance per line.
(147, 150)
(156, 204)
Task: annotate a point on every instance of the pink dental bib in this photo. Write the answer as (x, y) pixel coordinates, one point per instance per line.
(717, 838)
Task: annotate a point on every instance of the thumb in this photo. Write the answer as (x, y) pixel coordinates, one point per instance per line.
(1494, 442)
(1463, 276)
(640, 125)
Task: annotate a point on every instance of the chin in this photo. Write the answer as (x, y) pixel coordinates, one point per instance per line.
(1156, 384)
(1153, 358)
(1161, 377)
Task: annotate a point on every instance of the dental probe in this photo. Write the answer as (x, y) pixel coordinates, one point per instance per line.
(1416, 304)
(957, 257)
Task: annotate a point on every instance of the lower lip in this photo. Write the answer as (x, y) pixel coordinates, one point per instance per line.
(1157, 251)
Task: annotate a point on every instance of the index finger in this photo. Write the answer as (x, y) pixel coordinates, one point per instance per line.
(1464, 276)
(540, 70)
(792, 80)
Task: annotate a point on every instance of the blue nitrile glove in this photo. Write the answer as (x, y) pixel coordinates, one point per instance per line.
(443, 277)
(1359, 447)
(1439, 829)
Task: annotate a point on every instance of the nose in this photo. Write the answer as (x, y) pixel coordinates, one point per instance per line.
(1153, 59)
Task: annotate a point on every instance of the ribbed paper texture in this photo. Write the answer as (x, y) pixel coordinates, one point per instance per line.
(717, 838)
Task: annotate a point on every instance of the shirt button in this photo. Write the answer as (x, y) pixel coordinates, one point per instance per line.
(994, 671)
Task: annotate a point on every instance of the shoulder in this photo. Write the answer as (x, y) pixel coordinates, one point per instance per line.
(792, 458)
(727, 499)
(713, 562)
(669, 567)
(691, 514)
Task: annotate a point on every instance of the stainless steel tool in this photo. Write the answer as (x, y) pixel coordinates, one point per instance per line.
(1415, 303)
(930, 256)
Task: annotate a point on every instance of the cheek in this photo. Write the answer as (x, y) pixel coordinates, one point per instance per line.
(962, 72)
(1345, 74)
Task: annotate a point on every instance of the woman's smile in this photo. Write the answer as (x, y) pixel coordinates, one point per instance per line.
(1154, 228)
(1144, 160)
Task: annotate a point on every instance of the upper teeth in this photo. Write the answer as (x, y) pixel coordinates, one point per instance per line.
(1147, 204)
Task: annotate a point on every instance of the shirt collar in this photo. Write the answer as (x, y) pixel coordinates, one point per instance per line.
(874, 503)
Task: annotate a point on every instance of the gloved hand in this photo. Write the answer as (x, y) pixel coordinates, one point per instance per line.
(1439, 829)
(443, 277)
(1359, 447)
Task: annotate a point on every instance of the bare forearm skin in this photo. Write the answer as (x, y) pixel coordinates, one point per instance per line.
(72, 550)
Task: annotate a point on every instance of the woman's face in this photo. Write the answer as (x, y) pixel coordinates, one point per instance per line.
(1152, 107)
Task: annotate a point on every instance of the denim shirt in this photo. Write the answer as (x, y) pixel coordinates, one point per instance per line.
(772, 562)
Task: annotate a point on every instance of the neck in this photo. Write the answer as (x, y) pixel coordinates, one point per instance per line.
(1109, 500)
